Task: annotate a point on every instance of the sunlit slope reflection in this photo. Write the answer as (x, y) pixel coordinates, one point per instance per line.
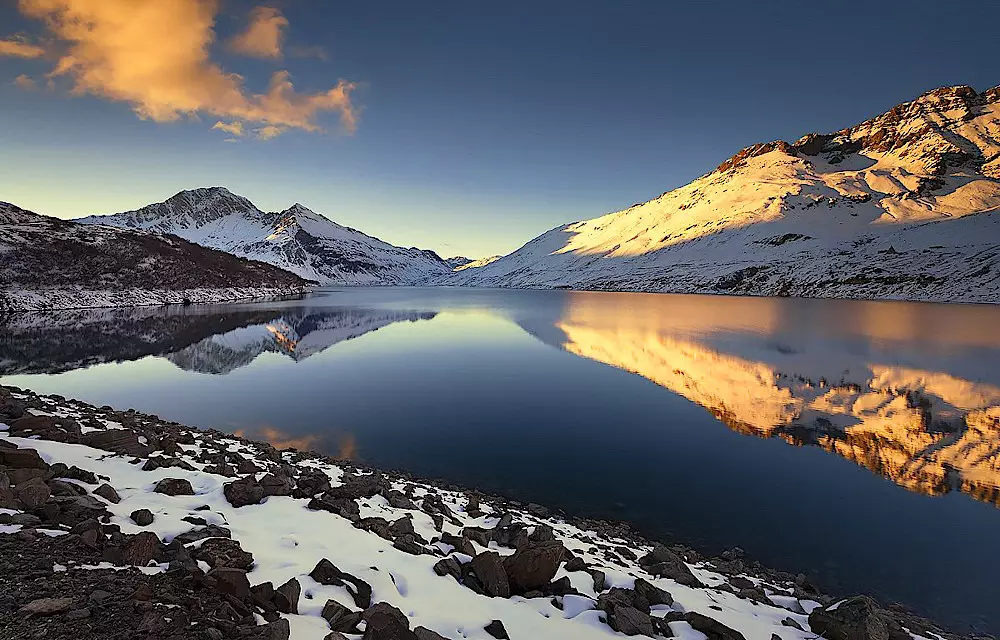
(846, 390)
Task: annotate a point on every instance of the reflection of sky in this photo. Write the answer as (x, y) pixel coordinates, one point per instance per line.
(471, 395)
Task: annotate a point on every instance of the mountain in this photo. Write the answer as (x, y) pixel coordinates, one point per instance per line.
(902, 206)
(296, 239)
(457, 261)
(57, 264)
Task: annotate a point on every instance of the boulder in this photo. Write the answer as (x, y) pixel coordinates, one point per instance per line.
(489, 570)
(340, 618)
(243, 492)
(325, 572)
(33, 493)
(277, 485)
(107, 492)
(123, 441)
(22, 459)
(712, 628)
(533, 565)
(262, 595)
(46, 606)
(355, 487)
(286, 597)
(856, 618)
(651, 593)
(310, 483)
(230, 581)
(497, 630)
(224, 552)
(662, 562)
(174, 487)
(448, 567)
(423, 633)
(142, 548)
(386, 622)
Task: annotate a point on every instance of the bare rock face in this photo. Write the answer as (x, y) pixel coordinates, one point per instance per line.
(533, 565)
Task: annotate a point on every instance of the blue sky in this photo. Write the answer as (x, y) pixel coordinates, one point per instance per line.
(480, 125)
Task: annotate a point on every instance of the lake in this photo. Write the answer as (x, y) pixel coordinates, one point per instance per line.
(855, 441)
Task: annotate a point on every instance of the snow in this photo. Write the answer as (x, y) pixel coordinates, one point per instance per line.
(287, 540)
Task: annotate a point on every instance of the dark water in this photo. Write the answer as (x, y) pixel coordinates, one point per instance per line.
(855, 441)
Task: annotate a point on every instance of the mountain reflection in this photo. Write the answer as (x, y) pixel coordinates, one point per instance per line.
(928, 418)
(205, 338)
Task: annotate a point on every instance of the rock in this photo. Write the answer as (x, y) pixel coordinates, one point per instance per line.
(651, 593)
(489, 570)
(497, 630)
(280, 629)
(662, 562)
(448, 567)
(791, 622)
(542, 533)
(712, 628)
(856, 618)
(408, 543)
(174, 487)
(423, 633)
(263, 595)
(479, 535)
(472, 508)
(630, 621)
(142, 548)
(46, 606)
(399, 500)
(164, 462)
(32, 494)
(107, 492)
(143, 594)
(340, 618)
(123, 441)
(286, 597)
(533, 565)
(230, 581)
(224, 552)
(355, 487)
(537, 510)
(76, 473)
(310, 483)
(60, 488)
(98, 595)
(576, 564)
(276, 486)
(344, 507)
(211, 531)
(243, 492)
(325, 572)
(599, 579)
(461, 545)
(401, 526)
(386, 622)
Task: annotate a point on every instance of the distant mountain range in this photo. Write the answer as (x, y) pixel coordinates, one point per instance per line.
(49, 263)
(296, 239)
(904, 205)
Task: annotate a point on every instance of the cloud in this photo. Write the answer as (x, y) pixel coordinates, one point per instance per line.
(234, 128)
(278, 438)
(313, 51)
(263, 36)
(269, 132)
(154, 56)
(25, 83)
(19, 49)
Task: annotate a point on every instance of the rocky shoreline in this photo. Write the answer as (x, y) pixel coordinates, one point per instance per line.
(117, 524)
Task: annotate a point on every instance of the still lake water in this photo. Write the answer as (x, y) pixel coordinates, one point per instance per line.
(855, 441)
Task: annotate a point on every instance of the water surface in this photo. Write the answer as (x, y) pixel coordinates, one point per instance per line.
(855, 441)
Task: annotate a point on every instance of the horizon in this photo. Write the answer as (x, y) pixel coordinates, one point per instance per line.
(470, 157)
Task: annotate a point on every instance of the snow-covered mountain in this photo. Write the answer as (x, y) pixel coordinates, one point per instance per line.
(904, 205)
(296, 239)
(49, 263)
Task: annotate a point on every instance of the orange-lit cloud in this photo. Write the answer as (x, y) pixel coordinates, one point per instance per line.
(263, 36)
(25, 83)
(19, 49)
(348, 448)
(232, 128)
(270, 131)
(154, 55)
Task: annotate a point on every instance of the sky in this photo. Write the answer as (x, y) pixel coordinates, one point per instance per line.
(463, 127)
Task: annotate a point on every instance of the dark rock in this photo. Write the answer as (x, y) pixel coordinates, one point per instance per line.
(497, 630)
(107, 492)
(537, 510)
(195, 520)
(174, 487)
(489, 569)
(662, 562)
(651, 593)
(123, 441)
(286, 597)
(408, 543)
(142, 548)
(560, 587)
(340, 618)
(355, 487)
(576, 564)
(542, 533)
(856, 618)
(461, 545)
(76, 473)
(386, 622)
(712, 628)
(448, 567)
(423, 633)
(243, 492)
(262, 595)
(472, 508)
(211, 531)
(32, 494)
(279, 629)
(164, 462)
(230, 581)
(245, 466)
(533, 566)
(401, 526)
(325, 572)
(46, 606)
(479, 535)
(344, 507)
(399, 500)
(277, 486)
(60, 488)
(599, 579)
(224, 552)
(791, 622)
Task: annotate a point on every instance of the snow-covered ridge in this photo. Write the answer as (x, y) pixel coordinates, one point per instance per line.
(57, 264)
(301, 546)
(902, 206)
(296, 239)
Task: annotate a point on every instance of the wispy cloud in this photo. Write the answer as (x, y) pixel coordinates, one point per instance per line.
(232, 128)
(264, 34)
(154, 55)
(308, 51)
(25, 83)
(19, 49)
(269, 132)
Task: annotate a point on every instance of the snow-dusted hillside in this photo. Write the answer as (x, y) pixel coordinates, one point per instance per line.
(904, 205)
(57, 264)
(296, 239)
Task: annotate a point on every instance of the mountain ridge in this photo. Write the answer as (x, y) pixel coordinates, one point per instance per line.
(830, 215)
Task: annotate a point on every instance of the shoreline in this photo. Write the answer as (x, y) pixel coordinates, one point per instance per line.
(499, 556)
(68, 299)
